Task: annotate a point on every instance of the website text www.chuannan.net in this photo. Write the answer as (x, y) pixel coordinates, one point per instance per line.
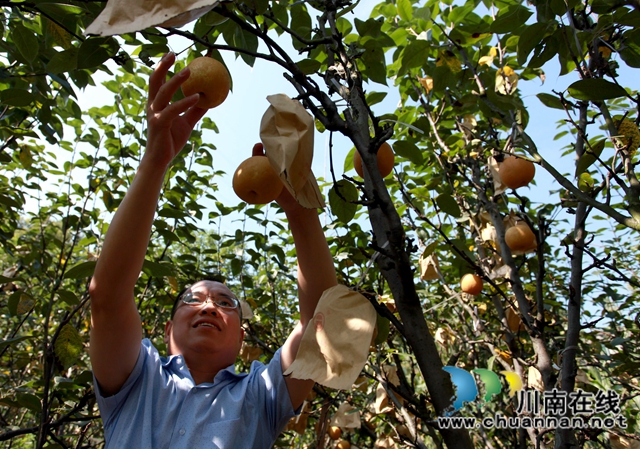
(499, 421)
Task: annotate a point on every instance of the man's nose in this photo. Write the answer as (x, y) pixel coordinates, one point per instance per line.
(209, 304)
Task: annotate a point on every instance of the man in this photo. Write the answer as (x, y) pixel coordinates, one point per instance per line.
(193, 398)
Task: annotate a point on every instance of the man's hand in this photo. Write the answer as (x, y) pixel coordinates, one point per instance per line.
(169, 124)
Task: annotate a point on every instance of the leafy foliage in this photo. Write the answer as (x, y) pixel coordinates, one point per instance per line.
(564, 316)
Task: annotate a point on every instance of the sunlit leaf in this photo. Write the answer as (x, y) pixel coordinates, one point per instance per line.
(589, 157)
(595, 89)
(551, 101)
(405, 9)
(68, 345)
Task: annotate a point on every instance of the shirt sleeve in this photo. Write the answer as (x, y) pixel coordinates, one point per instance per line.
(109, 405)
(268, 387)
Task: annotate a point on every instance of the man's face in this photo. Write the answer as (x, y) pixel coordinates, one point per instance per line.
(205, 329)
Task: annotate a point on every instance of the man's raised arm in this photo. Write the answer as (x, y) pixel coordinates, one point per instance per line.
(316, 273)
(116, 329)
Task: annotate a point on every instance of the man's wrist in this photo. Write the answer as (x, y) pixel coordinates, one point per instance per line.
(151, 166)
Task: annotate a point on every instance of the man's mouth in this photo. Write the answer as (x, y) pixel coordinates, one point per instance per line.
(205, 324)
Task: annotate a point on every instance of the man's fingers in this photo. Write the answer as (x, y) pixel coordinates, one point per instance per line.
(159, 75)
(174, 110)
(166, 91)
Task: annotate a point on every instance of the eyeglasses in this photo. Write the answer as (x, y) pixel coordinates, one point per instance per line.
(226, 303)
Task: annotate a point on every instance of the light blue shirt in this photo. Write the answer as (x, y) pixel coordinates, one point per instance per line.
(160, 407)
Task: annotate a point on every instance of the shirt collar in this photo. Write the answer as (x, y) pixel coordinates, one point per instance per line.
(176, 364)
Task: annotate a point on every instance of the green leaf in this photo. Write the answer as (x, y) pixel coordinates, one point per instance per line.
(68, 297)
(20, 303)
(413, 55)
(586, 182)
(375, 97)
(369, 28)
(60, 10)
(92, 53)
(595, 90)
(544, 51)
(382, 324)
(26, 41)
(309, 66)
(348, 160)
(529, 39)
(172, 212)
(25, 156)
(247, 41)
(630, 56)
(213, 18)
(64, 61)
(423, 13)
(448, 205)
(429, 249)
(158, 269)
(602, 6)
(12, 341)
(16, 97)
(550, 101)
(9, 403)
(343, 26)
(236, 266)
(409, 150)
(589, 156)
(60, 36)
(510, 19)
(373, 59)
(30, 401)
(9, 201)
(300, 24)
(405, 10)
(82, 270)
(6, 280)
(68, 345)
(17, 132)
(459, 13)
(443, 77)
(341, 196)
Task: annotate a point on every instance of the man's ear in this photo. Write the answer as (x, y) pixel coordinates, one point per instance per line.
(241, 335)
(167, 331)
